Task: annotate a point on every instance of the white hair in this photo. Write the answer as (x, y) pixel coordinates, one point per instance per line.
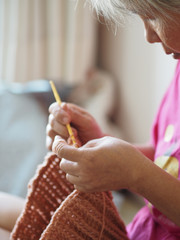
(115, 10)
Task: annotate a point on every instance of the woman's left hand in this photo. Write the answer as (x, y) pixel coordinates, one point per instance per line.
(103, 164)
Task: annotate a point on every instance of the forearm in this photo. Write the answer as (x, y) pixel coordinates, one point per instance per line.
(10, 208)
(159, 188)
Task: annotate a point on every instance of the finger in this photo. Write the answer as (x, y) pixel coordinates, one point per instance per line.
(69, 167)
(52, 106)
(76, 144)
(70, 140)
(57, 127)
(61, 115)
(76, 113)
(50, 132)
(75, 133)
(72, 179)
(82, 189)
(63, 150)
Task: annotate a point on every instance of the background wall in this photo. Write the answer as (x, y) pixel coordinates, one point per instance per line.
(46, 39)
(142, 72)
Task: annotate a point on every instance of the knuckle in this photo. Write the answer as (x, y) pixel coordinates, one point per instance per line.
(52, 107)
(58, 148)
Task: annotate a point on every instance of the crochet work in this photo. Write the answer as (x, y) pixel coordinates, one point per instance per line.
(54, 210)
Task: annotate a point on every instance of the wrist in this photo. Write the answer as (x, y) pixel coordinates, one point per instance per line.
(146, 150)
(141, 169)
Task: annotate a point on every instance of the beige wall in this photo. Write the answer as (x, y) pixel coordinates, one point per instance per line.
(142, 72)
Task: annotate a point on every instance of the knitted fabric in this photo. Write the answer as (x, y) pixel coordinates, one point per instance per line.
(54, 210)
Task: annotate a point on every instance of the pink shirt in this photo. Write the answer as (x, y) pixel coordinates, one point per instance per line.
(149, 223)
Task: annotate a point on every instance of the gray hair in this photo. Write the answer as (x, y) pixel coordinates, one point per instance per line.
(115, 10)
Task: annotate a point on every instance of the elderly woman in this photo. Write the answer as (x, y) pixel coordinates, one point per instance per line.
(107, 163)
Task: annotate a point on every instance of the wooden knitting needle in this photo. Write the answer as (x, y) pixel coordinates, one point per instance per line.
(58, 100)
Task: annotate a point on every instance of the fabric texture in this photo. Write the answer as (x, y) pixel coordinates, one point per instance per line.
(150, 223)
(54, 210)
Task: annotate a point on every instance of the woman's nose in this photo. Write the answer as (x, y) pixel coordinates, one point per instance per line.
(151, 35)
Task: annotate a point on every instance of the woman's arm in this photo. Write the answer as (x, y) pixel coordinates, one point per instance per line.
(110, 163)
(159, 188)
(147, 149)
(4, 234)
(10, 208)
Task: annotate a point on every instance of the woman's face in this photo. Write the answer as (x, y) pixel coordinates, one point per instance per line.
(167, 33)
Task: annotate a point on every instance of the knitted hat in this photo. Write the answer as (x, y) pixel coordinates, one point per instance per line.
(54, 210)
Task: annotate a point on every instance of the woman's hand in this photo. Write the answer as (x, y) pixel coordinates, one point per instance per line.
(84, 126)
(102, 164)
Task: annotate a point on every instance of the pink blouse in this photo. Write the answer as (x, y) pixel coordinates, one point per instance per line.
(150, 223)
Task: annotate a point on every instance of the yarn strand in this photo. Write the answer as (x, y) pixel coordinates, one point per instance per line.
(103, 216)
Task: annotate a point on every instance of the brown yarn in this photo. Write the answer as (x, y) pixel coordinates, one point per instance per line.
(54, 210)
(103, 216)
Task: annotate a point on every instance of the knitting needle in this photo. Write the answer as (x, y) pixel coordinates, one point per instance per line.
(58, 100)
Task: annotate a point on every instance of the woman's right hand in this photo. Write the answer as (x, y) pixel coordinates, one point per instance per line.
(84, 126)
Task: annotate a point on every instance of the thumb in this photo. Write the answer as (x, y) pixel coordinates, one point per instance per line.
(63, 150)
